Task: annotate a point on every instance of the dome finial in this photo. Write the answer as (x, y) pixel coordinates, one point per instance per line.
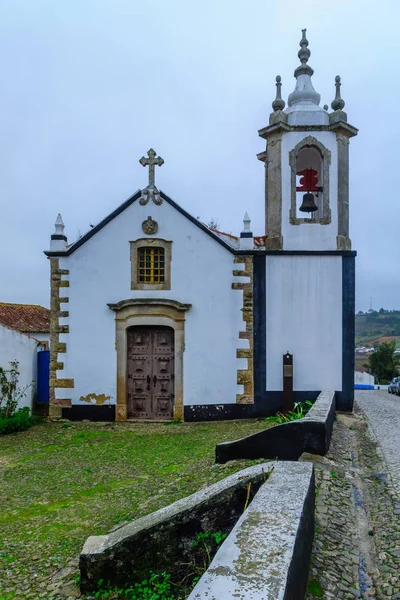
(338, 103)
(304, 92)
(304, 53)
(278, 103)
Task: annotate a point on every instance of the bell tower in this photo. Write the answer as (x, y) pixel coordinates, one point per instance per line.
(307, 167)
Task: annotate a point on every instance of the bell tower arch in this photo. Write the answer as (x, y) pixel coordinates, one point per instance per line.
(307, 167)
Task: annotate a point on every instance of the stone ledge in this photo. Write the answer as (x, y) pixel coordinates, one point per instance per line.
(288, 441)
(266, 556)
(163, 539)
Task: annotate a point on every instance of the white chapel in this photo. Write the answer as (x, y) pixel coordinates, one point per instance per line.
(156, 316)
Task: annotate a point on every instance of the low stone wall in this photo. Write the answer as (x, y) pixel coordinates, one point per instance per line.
(266, 556)
(164, 539)
(288, 441)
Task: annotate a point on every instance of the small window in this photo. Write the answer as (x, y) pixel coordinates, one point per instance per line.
(151, 265)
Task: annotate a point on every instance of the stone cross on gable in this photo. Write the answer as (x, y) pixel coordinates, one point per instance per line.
(151, 162)
(151, 192)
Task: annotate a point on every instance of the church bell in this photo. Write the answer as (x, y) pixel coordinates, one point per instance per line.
(308, 204)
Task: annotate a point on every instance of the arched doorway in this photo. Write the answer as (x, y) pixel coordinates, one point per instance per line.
(150, 389)
(149, 312)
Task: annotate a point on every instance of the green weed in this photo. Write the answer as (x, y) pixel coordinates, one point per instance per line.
(300, 410)
(314, 588)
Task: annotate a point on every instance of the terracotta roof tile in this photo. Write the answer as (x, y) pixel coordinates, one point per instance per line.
(259, 240)
(27, 318)
(234, 237)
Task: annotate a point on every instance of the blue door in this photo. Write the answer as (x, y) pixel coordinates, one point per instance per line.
(43, 374)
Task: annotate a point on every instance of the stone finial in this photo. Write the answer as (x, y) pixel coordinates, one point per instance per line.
(58, 239)
(246, 222)
(304, 53)
(338, 103)
(278, 103)
(59, 225)
(246, 236)
(304, 91)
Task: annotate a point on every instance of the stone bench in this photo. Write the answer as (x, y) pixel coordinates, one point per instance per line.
(288, 441)
(266, 555)
(160, 541)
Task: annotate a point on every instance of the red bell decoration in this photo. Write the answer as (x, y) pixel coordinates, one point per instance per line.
(308, 183)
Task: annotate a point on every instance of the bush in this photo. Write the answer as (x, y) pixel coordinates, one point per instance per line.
(13, 418)
(10, 392)
(19, 421)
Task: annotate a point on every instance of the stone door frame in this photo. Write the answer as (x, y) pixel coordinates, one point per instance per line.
(148, 312)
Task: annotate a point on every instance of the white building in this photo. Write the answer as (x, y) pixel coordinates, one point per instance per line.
(363, 381)
(156, 316)
(24, 338)
(20, 348)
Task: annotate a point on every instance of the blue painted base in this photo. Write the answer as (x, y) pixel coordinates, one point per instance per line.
(360, 386)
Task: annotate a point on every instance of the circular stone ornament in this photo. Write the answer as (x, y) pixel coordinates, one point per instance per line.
(149, 226)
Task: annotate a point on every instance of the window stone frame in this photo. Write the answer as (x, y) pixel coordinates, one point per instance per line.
(326, 158)
(150, 243)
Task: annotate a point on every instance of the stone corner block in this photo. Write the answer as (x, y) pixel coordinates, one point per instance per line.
(62, 383)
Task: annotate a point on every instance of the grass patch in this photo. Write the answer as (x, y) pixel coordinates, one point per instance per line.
(61, 484)
(314, 588)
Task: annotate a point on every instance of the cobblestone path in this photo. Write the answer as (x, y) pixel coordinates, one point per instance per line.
(356, 552)
(383, 412)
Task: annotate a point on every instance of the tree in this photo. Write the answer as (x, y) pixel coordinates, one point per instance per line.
(383, 363)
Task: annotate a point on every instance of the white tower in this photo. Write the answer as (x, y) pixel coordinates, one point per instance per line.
(307, 167)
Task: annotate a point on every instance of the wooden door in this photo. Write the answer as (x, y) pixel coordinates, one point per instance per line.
(150, 373)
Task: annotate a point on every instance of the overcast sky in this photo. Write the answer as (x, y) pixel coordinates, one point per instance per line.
(87, 87)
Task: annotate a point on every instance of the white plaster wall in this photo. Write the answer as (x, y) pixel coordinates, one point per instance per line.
(363, 378)
(201, 275)
(22, 348)
(42, 337)
(304, 317)
(309, 236)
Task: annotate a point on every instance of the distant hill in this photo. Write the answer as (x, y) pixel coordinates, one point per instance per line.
(377, 326)
(373, 328)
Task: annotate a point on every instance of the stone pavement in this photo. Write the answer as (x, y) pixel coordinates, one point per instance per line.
(356, 552)
(383, 412)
